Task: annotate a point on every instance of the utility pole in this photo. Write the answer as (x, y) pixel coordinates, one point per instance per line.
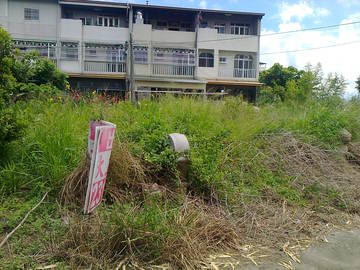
(131, 58)
(132, 82)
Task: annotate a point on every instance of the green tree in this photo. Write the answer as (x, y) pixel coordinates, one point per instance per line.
(23, 76)
(333, 86)
(357, 84)
(9, 126)
(279, 75)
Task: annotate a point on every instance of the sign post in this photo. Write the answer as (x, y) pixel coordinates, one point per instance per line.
(101, 138)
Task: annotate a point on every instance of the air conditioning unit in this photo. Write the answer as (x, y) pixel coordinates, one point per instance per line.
(222, 60)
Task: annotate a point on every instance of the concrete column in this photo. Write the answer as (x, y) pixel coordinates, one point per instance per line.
(58, 36)
(258, 51)
(204, 94)
(196, 45)
(216, 62)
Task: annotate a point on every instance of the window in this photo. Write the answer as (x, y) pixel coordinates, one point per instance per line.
(140, 55)
(108, 21)
(220, 28)
(88, 21)
(243, 61)
(186, 27)
(174, 26)
(161, 25)
(240, 29)
(203, 24)
(90, 52)
(69, 51)
(222, 60)
(206, 60)
(100, 21)
(31, 14)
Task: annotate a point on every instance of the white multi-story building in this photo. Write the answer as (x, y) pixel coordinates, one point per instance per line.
(173, 48)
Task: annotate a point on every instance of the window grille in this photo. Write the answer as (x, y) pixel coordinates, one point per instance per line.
(45, 49)
(69, 51)
(104, 53)
(140, 55)
(31, 14)
(180, 57)
(206, 60)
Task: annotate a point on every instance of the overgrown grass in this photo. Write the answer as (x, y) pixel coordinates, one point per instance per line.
(228, 165)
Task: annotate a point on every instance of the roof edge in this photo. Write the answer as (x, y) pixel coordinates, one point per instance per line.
(125, 5)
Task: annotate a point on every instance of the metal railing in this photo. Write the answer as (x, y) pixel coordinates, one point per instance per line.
(237, 73)
(104, 66)
(173, 70)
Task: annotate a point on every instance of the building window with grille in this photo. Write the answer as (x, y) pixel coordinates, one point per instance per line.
(243, 61)
(220, 27)
(69, 51)
(140, 55)
(45, 49)
(240, 29)
(31, 14)
(206, 59)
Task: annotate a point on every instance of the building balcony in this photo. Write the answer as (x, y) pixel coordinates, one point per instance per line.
(210, 39)
(104, 67)
(238, 73)
(167, 70)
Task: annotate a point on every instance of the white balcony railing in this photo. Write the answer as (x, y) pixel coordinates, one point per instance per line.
(238, 73)
(104, 66)
(173, 70)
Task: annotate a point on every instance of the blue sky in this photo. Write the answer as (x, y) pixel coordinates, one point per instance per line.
(287, 15)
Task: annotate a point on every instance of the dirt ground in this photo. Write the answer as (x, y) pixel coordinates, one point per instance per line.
(340, 251)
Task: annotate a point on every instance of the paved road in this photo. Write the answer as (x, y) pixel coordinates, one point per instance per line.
(342, 252)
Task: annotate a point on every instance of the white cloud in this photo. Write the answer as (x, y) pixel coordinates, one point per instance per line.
(300, 10)
(341, 59)
(321, 12)
(203, 4)
(349, 3)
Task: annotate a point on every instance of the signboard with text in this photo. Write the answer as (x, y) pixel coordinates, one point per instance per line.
(101, 138)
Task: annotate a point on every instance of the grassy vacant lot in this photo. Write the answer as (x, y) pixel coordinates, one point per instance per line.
(258, 180)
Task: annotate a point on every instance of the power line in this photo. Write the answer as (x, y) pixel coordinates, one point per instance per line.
(314, 48)
(285, 32)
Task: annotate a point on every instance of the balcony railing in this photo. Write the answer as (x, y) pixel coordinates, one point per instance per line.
(173, 70)
(238, 73)
(104, 66)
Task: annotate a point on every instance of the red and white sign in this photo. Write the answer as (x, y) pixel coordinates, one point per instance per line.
(101, 138)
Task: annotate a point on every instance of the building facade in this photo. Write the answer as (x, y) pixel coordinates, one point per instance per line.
(117, 46)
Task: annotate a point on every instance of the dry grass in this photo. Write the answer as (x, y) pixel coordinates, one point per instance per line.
(255, 229)
(125, 172)
(199, 231)
(312, 167)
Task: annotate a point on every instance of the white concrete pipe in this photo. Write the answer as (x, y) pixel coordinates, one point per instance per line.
(179, 142)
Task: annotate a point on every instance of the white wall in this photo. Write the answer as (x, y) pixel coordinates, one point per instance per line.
(44, 28)
(71, 30)
(168, 38)
(98, 34)
(210, 39)
(4, 13)
(3, 8)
